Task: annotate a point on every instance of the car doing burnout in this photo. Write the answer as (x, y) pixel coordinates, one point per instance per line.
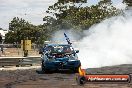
(59, 57)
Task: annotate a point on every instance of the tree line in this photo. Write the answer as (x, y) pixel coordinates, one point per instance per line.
(66, 14)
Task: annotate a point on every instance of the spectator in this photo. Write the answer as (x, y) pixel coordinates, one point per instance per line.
(0, 38)
(1, 46)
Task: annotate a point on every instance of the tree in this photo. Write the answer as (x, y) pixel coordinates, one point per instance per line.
(80, 18)
(128, 2)
(59, 8)
(20, 29)
(67, 14)
(74, 1)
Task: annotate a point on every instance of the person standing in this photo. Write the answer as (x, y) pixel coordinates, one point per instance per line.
(1, 46)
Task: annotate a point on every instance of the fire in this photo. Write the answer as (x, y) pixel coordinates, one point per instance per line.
(81, 71)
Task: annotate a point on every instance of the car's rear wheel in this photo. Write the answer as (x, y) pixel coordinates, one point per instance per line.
(75, 70)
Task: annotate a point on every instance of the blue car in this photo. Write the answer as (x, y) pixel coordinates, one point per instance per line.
(57, 57)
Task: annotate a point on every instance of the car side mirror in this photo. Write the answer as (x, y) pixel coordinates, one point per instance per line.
(77, 51)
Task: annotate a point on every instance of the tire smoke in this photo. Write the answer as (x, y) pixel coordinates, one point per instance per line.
(105, 44)
(108, 43)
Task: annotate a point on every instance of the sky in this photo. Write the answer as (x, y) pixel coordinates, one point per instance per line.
(31, 10)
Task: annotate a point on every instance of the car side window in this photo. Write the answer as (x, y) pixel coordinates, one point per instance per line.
(66, 49)
(48, 49)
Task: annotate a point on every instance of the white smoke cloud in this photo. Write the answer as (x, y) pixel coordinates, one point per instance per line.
(120, 6)
(73, 35)
(107, 43)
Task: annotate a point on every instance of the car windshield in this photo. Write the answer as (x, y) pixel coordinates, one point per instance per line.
(60, 49)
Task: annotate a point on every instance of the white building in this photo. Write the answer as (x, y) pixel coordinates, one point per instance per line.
(3, 32)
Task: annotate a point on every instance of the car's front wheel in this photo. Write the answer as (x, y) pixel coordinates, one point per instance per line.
(44, 70)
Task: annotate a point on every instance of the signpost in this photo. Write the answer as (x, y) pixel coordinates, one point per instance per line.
(26, 46)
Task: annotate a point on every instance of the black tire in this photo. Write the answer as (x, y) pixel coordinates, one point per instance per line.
(17, 65)
(43, 68)
(75, 70)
